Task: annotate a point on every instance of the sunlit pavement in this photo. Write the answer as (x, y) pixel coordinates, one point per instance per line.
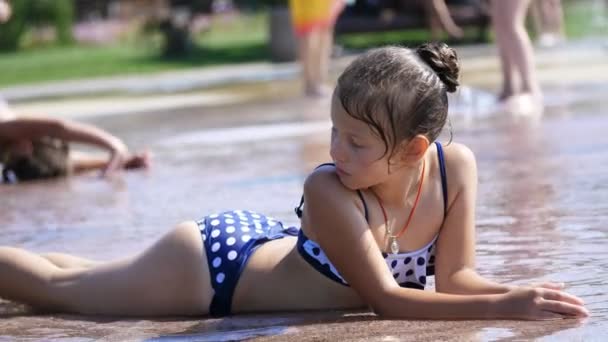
(542, 208)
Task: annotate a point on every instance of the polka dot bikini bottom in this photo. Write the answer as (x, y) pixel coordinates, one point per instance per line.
(230, 238)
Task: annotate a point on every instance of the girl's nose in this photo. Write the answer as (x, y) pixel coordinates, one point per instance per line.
(336, 151)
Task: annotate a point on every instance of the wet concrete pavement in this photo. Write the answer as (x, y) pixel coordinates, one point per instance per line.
(542, 208)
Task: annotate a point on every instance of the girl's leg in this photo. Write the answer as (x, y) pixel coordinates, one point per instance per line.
(169, 278)
(62, 260)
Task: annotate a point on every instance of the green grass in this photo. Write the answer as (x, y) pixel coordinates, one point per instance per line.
(582, 20)
(236, 40)
(239, 41)
(361, 41)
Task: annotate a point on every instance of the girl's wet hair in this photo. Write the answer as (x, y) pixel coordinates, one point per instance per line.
(400, 92)
(49, 159)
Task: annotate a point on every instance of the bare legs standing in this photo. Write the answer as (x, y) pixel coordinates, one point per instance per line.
(515, 50)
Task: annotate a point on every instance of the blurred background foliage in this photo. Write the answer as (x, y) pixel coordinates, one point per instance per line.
(31, 15)
(51, 39)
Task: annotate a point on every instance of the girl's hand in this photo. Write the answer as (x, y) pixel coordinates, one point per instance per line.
(138, 161)
(118, 157)
(540, 303)
(549, 285)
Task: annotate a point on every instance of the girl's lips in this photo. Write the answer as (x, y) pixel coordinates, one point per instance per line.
(341, 172)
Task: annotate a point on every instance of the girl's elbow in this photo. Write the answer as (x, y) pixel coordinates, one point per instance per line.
(384, 305)
(380, 310)
(56, 128)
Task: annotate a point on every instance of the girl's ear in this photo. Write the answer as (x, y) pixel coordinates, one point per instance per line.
(412, 150)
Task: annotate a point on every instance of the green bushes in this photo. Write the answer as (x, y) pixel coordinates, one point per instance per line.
(27, 13)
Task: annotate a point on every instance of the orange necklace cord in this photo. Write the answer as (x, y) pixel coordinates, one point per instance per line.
(409, 219)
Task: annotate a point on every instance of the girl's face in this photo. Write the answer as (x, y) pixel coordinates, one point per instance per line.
(357, 152)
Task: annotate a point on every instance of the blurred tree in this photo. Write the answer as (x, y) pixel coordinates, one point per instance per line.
(58, 14)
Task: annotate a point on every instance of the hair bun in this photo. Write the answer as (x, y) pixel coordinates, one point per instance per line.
(443, 60)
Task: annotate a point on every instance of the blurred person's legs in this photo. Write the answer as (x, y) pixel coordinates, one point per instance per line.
(548, 21)
(314, 23)
(438, 15)
(5, 111)
(310, 55)
(326, 45)
(5, 11)
(515, 50)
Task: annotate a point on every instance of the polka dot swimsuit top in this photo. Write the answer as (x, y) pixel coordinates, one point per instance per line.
(409, 269)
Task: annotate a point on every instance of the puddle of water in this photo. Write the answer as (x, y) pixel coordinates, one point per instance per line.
(221, 336)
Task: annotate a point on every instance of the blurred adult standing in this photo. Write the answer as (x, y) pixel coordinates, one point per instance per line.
(520, 84)
(548, 18)
(5, 14)
(5, 11)
(440, 19)
(313, 22)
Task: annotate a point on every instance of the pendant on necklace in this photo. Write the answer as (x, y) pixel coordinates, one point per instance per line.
(394, 245)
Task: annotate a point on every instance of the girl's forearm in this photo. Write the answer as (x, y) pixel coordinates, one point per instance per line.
(36, 128)
(417, 304)
(80, 162)
(468, 282)
(83, 133)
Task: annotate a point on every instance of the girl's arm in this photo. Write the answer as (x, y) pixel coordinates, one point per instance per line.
(455, 258)
(35, 128)
(339, 226)
(83, 162)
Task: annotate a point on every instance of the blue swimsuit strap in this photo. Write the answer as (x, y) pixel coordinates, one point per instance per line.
(444, 180)
(298, 209)
(444, 177)
(444, 184)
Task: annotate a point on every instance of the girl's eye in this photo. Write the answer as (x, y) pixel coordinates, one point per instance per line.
(355, 144)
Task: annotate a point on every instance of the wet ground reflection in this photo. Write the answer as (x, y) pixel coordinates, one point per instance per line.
(542, 211)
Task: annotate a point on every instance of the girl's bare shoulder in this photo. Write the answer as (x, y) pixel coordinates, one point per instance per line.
(324, 186)
(458, 156)
(461, 167)
(322, 181)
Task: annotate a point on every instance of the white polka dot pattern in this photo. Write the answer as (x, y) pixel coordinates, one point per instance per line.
(220, 277)
(409, 269)
(230, 237)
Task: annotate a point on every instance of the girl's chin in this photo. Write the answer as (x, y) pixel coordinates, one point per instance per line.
(349, 184)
